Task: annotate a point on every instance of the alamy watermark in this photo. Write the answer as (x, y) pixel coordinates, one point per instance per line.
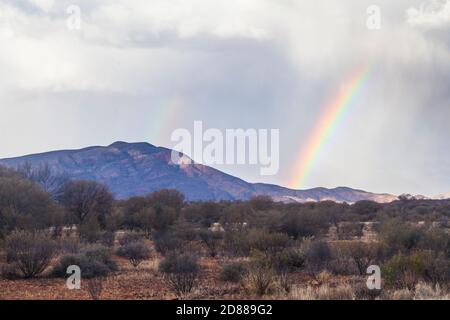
(231, 146)
(374, 280)
(73, 281)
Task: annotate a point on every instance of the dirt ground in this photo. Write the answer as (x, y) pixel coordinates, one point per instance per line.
(128, 283)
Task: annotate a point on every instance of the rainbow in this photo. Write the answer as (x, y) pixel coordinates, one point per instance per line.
(332, 114)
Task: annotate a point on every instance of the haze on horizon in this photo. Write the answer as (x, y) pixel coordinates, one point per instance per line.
(138, 69)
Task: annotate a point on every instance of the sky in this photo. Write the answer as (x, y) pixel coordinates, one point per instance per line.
(136, 70)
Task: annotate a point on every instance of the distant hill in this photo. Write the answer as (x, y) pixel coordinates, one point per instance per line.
(131, 169)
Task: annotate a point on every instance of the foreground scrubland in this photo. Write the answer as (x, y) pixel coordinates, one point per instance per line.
(163, 247)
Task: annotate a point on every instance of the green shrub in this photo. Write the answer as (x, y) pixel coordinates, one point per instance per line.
(405, 271)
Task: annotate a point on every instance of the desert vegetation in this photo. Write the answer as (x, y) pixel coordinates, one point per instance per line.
(161, 246)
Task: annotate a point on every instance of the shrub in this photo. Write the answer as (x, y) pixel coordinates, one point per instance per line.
(93, 262)
(242, 242)
(266, 242)
(101, 254)
(181, 272)
(108, 238)
(362, 292)
(69, 245)
(317, 257)
(304, 223)
(233, 272)
(167, 243)
(213, 241)
(90, 231)
(348, 231)
(400, 236)
(30, 253)
(9, 271)
(288, 260)
(260, 277)
(360, 254)
(95, 287)
(405, 271)
(237, 244)
(438, 271)
(135, 252)
(89, 268)
(130, 237)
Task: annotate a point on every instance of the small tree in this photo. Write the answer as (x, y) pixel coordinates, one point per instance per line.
(30, 252)
(181, 272)
(135, 252)
(84, 198)
(317, 257)
(213, 241)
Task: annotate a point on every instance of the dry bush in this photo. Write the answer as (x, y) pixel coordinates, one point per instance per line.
(181, 272)
(95, 287)
(29, 253)
(317, 257)
(131, 237)
(284, 283)
(362, 292)
(213, 241)
(233, 272)
(360, 254)
(260, 278)
(168, 243)
(348, 231)
(135, 252)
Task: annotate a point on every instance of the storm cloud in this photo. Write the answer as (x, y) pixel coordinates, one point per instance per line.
(138, 69)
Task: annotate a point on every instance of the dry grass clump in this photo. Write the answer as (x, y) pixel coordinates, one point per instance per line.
(422, 291)
(323, 292)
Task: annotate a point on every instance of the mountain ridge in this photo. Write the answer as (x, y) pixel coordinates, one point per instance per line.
(132, 169)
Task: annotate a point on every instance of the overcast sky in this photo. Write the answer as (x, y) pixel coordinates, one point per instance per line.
(138, 69)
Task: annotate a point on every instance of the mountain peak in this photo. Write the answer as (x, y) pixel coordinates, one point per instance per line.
(138, 168)
(124, 144)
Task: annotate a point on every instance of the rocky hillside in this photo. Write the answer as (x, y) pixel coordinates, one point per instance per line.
(131, 169)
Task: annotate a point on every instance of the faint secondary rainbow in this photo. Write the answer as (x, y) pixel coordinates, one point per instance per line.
(332, 114)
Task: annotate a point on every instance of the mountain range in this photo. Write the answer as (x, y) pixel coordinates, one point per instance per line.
(132, 169)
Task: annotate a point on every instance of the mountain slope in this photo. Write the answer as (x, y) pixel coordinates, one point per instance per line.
(131, 169)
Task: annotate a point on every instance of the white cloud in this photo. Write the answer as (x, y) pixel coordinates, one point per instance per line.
(44, 5)
(433, 14)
